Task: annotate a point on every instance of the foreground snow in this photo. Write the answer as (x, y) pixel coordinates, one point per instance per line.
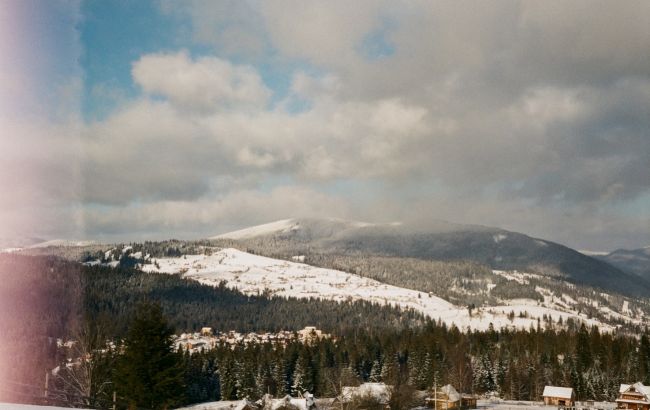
(214, 405)
(253, 274)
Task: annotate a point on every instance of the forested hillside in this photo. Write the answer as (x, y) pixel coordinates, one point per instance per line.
(372, 343)
(461, 282)
(111, 296)
(515, 365)
(441, 241)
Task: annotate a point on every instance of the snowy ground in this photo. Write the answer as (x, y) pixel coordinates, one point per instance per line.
(536, 405)
(214, 405)
(253, 274)
(482, 404)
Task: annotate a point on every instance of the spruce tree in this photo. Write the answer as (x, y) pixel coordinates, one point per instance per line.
(375, 372)
(149, 372)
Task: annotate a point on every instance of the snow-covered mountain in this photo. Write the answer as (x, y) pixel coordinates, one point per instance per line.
(253, 274)
(636, 261)
(14, 243)
(62, 243)
(304, 228)
(438, 240)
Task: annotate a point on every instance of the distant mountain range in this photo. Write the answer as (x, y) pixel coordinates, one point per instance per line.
(636, 261)
(468, 275)
(620, 271)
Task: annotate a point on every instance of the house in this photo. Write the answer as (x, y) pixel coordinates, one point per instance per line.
(448, 397)
(558, 396)
(379, 391)
(307, 402)
(206, 331)
(246, 405)
(633, 396)
(310, 334)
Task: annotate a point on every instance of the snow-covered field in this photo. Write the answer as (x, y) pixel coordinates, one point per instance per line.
(253, 274)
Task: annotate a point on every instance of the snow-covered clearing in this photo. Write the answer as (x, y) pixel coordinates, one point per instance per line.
(253, 274)
(519, 277)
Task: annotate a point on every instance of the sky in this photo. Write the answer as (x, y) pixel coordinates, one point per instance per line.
(131, 120)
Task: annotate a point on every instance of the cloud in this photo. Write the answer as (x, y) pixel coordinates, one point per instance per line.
(234, 27)
(40, 91)
(206, 84)
(208, 217)
(513, 102)
(530, 116)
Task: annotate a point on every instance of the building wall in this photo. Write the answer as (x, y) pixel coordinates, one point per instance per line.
(558, 401)
(633, 406)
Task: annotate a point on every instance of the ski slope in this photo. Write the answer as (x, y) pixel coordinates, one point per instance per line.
(253, 274)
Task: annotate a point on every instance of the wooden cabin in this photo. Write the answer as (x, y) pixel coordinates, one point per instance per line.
(448, 398)
(468, 401)
(378, 391)
(246, 405)
(558, 396)
(633, 397)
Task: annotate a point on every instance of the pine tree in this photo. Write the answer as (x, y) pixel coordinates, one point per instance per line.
(375, 371)
(482, 372)
(279, 378)
(245, 378)
(149, 372)
(227, 380)
(299, 379)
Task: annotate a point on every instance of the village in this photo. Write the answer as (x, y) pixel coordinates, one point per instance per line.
(207, 339)
(378, 396)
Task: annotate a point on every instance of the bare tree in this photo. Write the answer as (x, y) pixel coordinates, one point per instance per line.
(86, 377)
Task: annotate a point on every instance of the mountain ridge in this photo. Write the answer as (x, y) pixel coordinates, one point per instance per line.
(440, 240)
(633, 261)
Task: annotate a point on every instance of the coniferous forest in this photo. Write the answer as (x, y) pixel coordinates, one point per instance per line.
(45, 298)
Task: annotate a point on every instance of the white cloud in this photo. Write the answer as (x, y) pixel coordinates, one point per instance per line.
(210, 216)
(206, 84)
(539, 107)
(40, 93)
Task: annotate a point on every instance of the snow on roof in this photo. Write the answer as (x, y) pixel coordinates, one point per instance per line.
(215, 405)
(555, 391)
(245, 404)
(639, 387)
(379, 391)
(451, 392)
(288, 401)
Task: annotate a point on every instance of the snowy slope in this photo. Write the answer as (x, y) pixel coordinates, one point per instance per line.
(441, 241)
(253, 274)
(284, 225)
(62, 243)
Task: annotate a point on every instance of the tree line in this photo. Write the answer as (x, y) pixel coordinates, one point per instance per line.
(44, 298)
